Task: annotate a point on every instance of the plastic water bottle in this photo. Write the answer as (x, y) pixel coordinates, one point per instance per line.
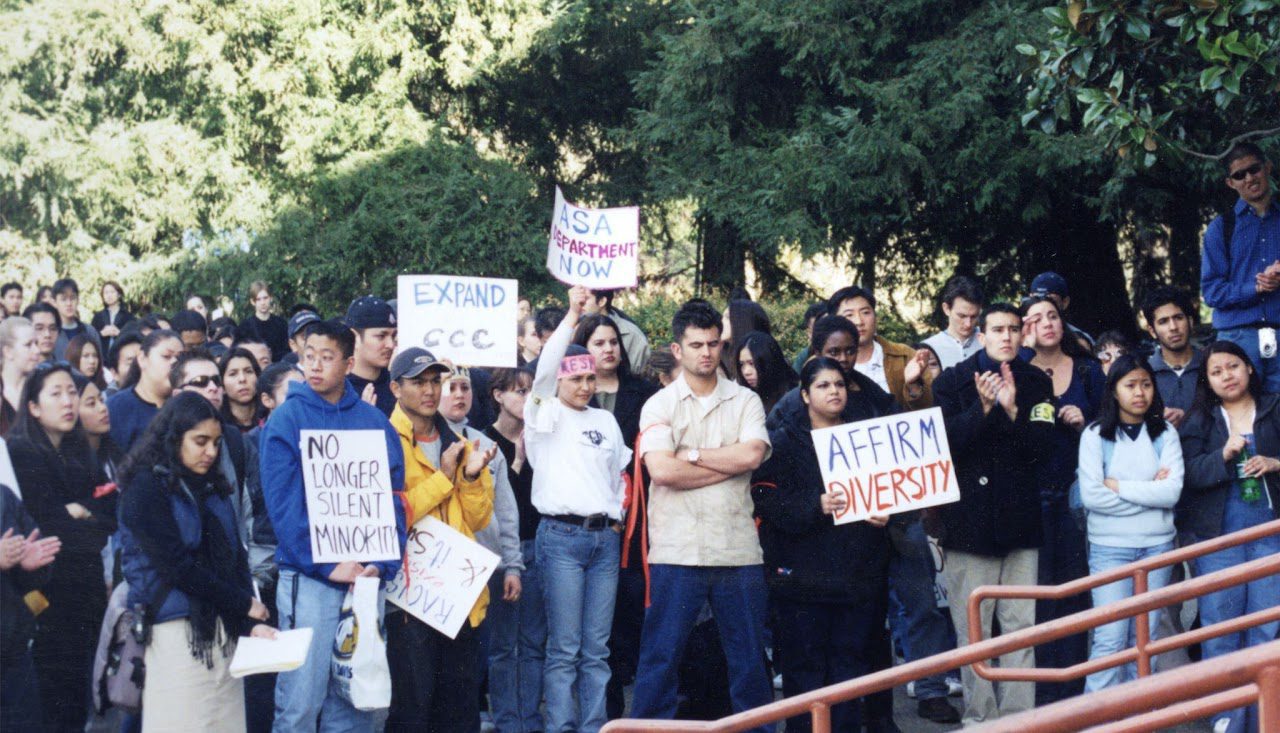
(1250, 486)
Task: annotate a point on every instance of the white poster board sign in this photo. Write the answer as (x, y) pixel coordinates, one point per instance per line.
(888, 465)
(470, 320)
(598, 248)
(350, 506)
(446, 572)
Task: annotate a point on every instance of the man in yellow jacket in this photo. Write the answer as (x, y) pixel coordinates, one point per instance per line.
(435, 680)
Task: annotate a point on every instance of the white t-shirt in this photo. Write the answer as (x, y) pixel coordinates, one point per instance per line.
(874, 367)
(577, 456)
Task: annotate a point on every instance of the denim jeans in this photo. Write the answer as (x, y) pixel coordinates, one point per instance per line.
(580, 575)
(737, 596)
(927, 630)
(517, 652)
(1240, 600)
(1119, 635)
(306, 695)
(1247, 339)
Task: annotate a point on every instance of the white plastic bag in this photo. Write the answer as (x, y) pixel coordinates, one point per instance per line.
(360, 649)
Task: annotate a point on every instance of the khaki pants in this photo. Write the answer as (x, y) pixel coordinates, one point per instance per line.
(181, 693)
(962, 573)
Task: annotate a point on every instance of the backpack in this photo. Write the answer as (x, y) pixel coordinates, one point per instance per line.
(119, 667)
(1075, 502)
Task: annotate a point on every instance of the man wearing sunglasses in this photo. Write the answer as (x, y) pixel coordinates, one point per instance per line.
(1240, 266)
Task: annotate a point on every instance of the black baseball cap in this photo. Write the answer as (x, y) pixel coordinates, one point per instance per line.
(370, 311)
(299, 320)
(415, 360)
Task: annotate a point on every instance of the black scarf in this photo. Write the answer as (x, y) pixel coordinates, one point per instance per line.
(217, 552)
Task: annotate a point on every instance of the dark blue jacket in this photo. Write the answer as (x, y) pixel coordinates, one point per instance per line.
(1208, 478)
(160, 532)
(281, 471)
(130, 416)
(17, 625)
(1227, 271)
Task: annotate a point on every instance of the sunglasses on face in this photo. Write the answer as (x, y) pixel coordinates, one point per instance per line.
(202, 382)
(1244, 173)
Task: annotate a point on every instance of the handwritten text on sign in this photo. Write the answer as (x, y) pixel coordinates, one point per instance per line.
(598, 248)
(888, 465)
(446, 572)
(349, 499)
(471, 320)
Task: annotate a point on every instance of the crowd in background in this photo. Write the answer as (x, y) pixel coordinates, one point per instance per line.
(659, 509)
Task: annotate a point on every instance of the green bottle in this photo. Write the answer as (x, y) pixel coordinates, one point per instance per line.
(1250, 486)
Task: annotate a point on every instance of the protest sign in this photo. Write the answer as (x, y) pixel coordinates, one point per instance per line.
(888, 465)
(598, 248)
(470, 320)
(445, 573)
(350, 506)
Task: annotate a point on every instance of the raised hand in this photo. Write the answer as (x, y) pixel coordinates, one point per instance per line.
(478, 460)
(578, 296)
(988, 386)
(369, 395)
(916, 367)
(449, 459)
(1007, 396)
(11, 547)
(39, 551)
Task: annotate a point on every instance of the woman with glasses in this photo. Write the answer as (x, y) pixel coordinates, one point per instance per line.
(58, 474)
(184, 562)
(18, 358)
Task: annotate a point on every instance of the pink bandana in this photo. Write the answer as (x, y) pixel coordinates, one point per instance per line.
(572, 366)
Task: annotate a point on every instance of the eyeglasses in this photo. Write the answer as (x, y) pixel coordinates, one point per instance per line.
(1106, 357)
(202, 382)
(1244, 173)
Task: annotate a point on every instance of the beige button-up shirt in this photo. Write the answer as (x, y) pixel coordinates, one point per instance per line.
(710, 526)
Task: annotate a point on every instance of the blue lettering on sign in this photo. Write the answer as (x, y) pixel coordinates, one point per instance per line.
(459, 294)
(585, 268)
(580, 221)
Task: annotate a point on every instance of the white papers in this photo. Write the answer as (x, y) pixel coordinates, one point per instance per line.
(284, 653)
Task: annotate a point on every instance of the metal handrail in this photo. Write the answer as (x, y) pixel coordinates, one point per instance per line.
(817, 703)
(1145, 649)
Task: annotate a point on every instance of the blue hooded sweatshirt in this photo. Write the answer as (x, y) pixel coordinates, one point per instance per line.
(281, 464)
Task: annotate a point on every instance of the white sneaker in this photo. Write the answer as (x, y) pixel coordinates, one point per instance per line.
(911, 690)
(954, 687)
(1221, 724)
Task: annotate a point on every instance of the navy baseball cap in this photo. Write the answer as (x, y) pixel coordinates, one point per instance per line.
(370, 311)
(1047, 283)
(415, 360)
(299, 320)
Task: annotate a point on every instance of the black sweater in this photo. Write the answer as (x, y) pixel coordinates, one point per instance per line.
(51, 479)
(1209, 479)
(17, 625)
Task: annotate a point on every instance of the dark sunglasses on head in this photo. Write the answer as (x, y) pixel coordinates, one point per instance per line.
(48, 366)
(202, 382)
(1244, 173)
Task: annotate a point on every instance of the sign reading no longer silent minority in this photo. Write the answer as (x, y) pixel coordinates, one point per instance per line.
(349, 501)
(888, 465)
(598, 248)
(446, 572)
(471, 320)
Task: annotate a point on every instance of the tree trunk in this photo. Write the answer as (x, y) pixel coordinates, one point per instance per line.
(723, 259)
(1185, 222)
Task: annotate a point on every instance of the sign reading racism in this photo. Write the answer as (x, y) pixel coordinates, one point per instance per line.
(888, 465)
(445, 573)
(349, 501)
(598, 248)
(470, 320)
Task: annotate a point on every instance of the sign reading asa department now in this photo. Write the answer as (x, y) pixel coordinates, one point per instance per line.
(888, 465)
(598, 248)
(350, 506)
(470, 320)
(446, 572)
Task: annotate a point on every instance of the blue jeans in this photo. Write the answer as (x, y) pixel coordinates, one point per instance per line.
(1247, 339)
(737, 596)
(306, 695)
(580, 575)
(927, 629)
(517, 651)
(1240, 600)
(1119, 635)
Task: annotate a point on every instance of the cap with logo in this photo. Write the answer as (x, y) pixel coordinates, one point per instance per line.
(300, 320)
(369, 311)
(1049, 283)
(415, 360)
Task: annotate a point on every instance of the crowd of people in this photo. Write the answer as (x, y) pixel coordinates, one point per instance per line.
(659, 511)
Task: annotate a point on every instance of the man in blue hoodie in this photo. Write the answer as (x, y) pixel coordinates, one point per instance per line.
(310, 594)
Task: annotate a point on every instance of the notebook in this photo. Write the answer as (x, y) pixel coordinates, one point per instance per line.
(284, 653)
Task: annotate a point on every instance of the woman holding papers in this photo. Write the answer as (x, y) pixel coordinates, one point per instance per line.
(186, 567)
(578, 456)
(828, 582)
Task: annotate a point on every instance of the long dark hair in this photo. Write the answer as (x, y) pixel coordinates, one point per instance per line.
(813, 366)
(160, 447)
(588, 326)
(269, 379)
(1109, 412)
(1070, 345)
(1206, 398)
(75, 349)
(73, 445)
(152, 340)
(223, 364)
(774, 376)
(745, 316)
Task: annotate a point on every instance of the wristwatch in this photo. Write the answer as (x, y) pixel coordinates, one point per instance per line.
(694, 456)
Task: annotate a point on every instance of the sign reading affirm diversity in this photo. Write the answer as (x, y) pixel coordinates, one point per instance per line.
(597, 248)
(350, 506)
(888, 465)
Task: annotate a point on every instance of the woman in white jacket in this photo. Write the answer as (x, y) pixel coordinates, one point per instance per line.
(1130, 475)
